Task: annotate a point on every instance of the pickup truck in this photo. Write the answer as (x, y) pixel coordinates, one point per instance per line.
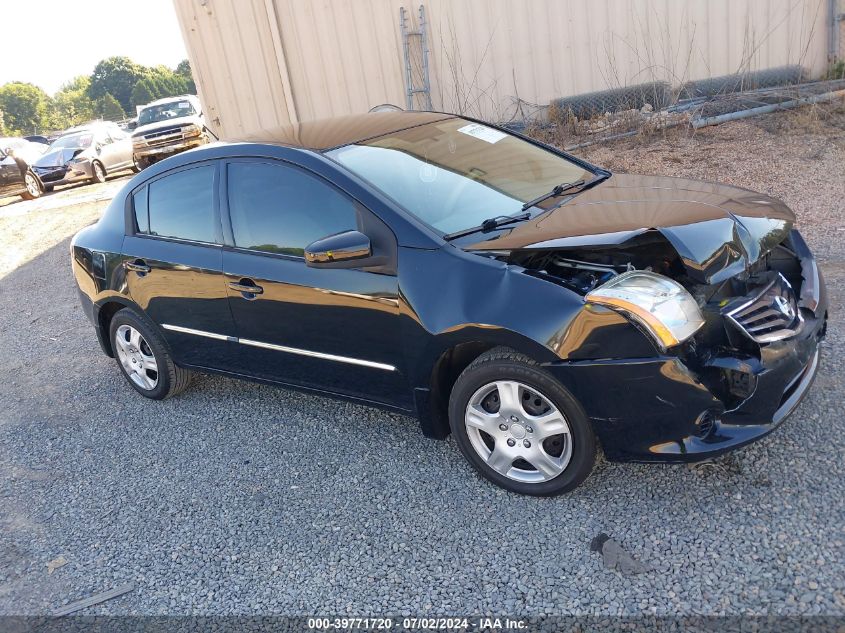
(166, 127)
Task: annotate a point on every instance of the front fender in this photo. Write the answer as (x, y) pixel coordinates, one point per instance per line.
(452, 297)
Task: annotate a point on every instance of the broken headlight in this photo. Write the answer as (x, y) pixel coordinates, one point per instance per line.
(662, 306)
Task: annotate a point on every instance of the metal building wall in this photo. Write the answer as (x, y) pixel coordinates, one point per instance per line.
(260, 63)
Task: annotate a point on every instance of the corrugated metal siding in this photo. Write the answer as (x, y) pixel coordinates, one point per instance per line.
(261, 63)
(238, 69)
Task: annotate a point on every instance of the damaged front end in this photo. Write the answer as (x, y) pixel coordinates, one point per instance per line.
(730, 379)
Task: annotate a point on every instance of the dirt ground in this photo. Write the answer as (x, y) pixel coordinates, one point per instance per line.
(797, 156)
(29, 227)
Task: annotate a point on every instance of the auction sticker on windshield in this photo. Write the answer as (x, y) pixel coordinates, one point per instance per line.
(482, 132)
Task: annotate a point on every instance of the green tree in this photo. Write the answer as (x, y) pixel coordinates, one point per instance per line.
(142, 93)
(160, 82)
(71, 105)
(116, 76)
(2, 126)
(183, 70)
(108, 108)
(24, 106)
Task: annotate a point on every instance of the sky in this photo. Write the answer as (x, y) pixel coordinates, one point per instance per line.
(67, 38)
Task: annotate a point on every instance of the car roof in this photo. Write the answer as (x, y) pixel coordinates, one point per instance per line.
(89, 127)
(324, 134)
(168, 100)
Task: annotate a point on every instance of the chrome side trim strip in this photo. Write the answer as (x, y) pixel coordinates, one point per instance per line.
(280, 348)
(305, 352)
(187, 330)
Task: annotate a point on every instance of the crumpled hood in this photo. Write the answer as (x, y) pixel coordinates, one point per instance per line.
(163, 125)
(57, 157)
(718, 230)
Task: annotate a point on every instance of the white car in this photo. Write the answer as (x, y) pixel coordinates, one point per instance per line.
(166, 127)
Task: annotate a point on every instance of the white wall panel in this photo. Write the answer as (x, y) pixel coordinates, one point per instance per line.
(260, 63)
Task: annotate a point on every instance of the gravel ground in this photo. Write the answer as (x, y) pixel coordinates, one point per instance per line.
(239, 498)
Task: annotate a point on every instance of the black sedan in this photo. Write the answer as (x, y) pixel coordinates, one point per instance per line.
(16, 175)
(532, 304)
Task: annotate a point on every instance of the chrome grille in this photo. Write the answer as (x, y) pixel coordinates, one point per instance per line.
(163, 132)
(770, 315)
(165, 136)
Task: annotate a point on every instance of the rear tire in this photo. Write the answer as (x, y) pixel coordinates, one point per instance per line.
(33, 187)
(519, 427)
(99, 172)
(144, 358)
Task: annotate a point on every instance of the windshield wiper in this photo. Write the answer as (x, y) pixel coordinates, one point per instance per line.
(561, 188)
(490, 224)
(493, 223)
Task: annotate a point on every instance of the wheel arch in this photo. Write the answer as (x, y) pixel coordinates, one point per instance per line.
(104, 313)
(447, 357)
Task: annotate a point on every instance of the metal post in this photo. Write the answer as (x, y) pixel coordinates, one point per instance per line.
(424, 36)
(410, 88)
(406, 46)
(834, 52)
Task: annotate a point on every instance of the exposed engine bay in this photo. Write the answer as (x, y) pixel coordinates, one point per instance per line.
(760, 305)
(583, 270)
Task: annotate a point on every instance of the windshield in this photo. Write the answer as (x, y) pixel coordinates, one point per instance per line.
(165, 111)
(75, 141)
(455, 174)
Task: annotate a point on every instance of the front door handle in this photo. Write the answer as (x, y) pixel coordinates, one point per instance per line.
(138, 266)
(246, 287)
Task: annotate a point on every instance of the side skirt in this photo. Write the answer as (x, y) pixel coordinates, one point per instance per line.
(311, 390)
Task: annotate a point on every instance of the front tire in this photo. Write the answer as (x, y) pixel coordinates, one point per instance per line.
(99, 172)
(143, 357)
(519, 427)
(33, 187)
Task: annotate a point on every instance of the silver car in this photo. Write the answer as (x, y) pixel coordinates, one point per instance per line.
(86, 153)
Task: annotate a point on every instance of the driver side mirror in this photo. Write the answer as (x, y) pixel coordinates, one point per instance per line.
(132, 125)
(335, 250)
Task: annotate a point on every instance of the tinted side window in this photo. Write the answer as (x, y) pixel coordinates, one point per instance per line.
(142, 216)
(282, 209)
(182, 205)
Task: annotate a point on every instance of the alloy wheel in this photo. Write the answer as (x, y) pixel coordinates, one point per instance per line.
(136, 357)
(32, 185)
(518, 432)
(99, 174)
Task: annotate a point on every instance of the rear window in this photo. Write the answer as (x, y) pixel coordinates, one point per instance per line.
(180, 205)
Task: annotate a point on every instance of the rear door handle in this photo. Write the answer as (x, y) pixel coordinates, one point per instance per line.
(138, 266)
(246, 287)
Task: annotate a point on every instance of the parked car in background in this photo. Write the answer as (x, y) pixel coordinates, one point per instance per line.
(85, 153)
(166, 127)
(533, 304)
(38, 138)
(16, 175)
